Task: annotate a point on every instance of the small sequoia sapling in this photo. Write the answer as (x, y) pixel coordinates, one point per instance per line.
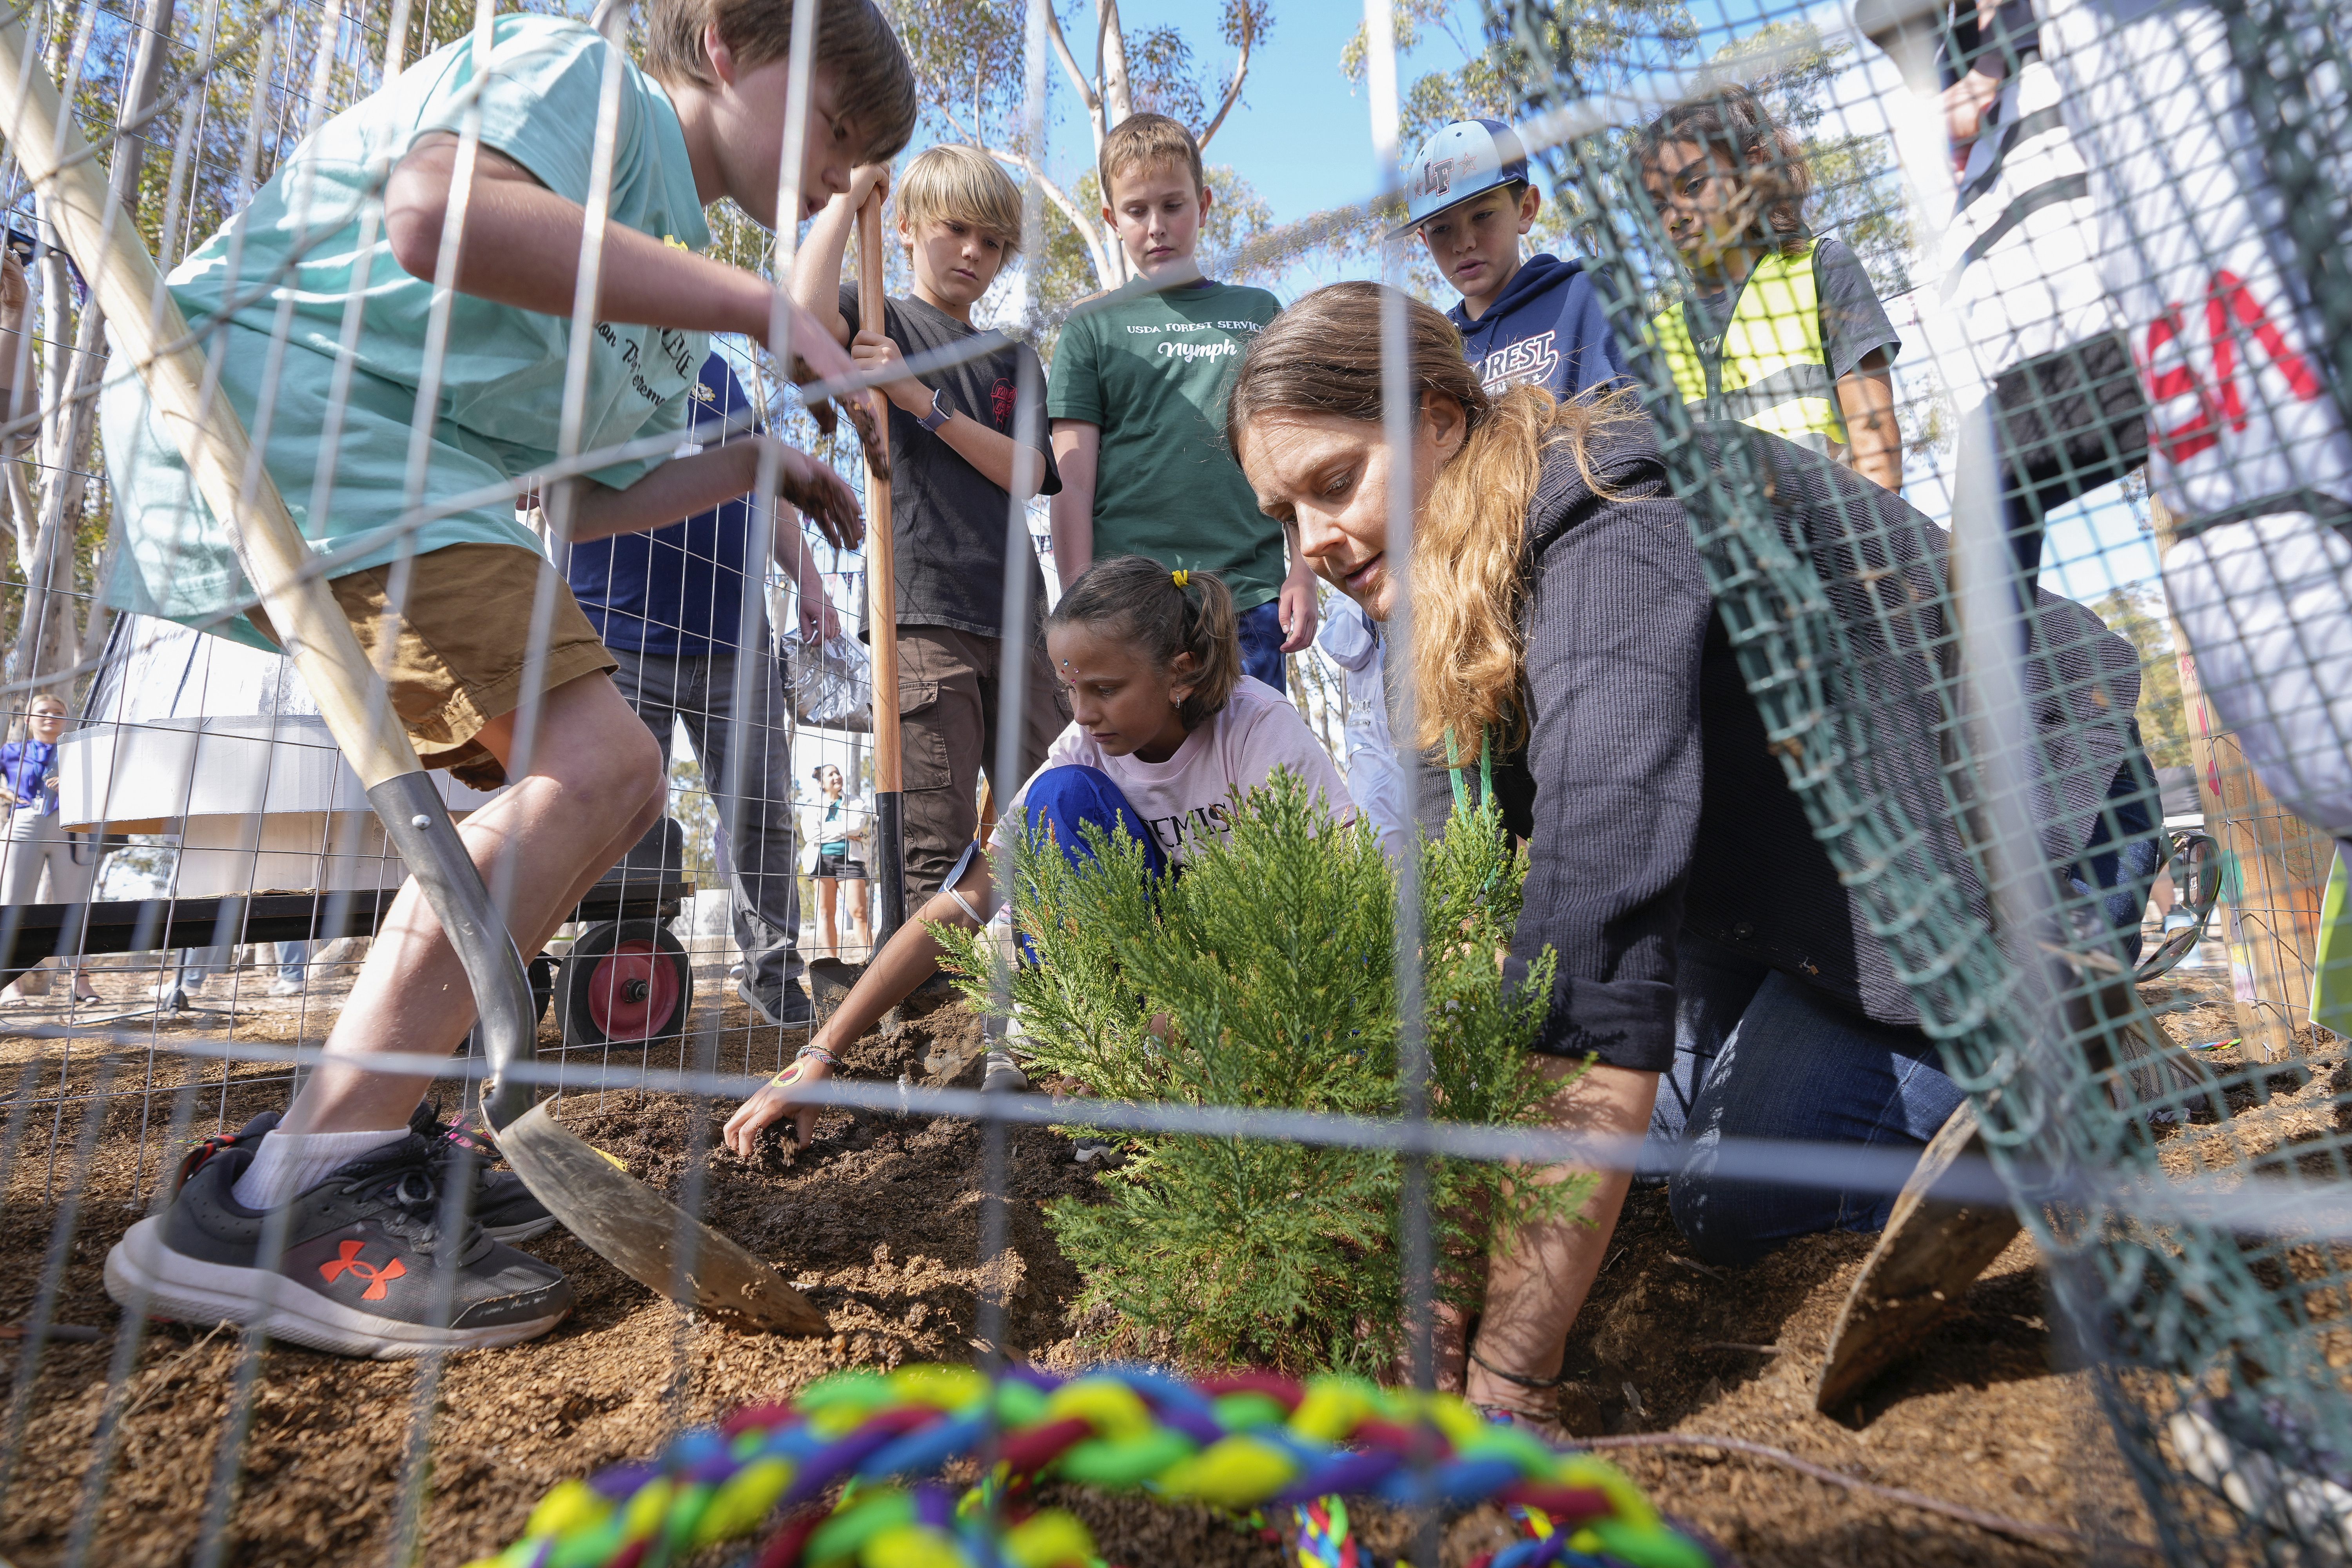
(1261, 976)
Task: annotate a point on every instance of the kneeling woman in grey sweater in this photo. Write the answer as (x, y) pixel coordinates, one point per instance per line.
(1722, 980)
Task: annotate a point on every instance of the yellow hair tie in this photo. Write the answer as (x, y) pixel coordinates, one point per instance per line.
(1183, 579)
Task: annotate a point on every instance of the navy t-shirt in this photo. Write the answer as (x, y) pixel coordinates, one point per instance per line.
(675, 592)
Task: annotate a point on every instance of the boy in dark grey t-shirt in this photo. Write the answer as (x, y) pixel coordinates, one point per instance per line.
(952, 452)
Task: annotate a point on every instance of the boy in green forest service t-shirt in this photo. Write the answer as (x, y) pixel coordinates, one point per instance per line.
(1138, 402)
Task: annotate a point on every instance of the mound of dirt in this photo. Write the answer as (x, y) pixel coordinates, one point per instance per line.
(878, 1222)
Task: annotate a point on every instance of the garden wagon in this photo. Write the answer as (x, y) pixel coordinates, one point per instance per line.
(220, 746)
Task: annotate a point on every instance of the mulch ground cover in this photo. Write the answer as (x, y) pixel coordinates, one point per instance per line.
(878, 1222)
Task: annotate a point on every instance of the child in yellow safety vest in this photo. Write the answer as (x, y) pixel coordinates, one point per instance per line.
(1782, 331)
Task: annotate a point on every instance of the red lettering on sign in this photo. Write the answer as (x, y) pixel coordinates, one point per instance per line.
(2231, 311)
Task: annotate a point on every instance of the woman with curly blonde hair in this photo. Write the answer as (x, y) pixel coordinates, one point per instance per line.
(1718, 977)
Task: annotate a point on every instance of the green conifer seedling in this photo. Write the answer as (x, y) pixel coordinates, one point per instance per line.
(1263, 976)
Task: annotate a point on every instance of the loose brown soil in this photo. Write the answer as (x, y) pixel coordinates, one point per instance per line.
(879, 1222)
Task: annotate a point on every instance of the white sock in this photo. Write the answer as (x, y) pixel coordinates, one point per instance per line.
(289, 1164)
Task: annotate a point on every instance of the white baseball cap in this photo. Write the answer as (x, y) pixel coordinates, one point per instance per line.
(1466, 159)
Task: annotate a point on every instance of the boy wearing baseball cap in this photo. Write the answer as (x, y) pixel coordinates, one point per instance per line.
(1538, 320)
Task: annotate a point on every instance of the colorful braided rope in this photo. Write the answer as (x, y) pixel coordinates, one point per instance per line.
(1248, 1442)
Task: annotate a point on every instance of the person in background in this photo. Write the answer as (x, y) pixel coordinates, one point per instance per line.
(293, 966)
(187, 970)
(834, 831)
(669, 606)
(43, 863)
(1538, 320)
(1376, 775)
(1138, 399)
(2019, 262)
(1784, 331)
(954, 451)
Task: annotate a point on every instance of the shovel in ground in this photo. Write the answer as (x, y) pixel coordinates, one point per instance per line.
(637, 1230)
(1932, 1251)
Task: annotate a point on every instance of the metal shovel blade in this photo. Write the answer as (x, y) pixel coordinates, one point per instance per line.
(645, 1236)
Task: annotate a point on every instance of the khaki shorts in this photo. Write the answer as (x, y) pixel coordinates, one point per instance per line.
(456, 660)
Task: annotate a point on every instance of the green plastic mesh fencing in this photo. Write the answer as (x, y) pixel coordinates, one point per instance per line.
(1950, 714)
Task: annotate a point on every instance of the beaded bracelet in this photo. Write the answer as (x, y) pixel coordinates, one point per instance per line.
(791, 1074)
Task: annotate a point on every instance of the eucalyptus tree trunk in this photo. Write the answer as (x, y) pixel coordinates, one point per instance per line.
(49, 516)
(1118, 103)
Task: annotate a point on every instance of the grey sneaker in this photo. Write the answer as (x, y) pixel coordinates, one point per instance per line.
(792, 1009)
(364, 1256)
(502, 1205)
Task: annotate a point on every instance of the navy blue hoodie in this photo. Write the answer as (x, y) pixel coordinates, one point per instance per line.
(1547, 328)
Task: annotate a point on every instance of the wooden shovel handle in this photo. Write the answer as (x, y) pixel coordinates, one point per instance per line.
(881, 568)
(145, 320)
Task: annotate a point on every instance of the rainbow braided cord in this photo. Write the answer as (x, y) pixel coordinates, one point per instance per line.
(1238, 1443)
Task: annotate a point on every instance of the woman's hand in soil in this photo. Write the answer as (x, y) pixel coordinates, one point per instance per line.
(773, 1104)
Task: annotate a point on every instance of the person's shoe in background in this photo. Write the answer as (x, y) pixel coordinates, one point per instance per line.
(1004, 1074)
(790, 1009)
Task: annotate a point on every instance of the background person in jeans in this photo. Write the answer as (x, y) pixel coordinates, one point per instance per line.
(834, 832)
(36, 848)
(668, 604)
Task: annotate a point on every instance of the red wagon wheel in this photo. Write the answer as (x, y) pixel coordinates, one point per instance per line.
(625, 983)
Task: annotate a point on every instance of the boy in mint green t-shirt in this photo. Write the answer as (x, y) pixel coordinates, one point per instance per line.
(1138, 402)
(349, 232)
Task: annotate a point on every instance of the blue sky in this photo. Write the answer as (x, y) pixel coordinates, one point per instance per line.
(1300, 136)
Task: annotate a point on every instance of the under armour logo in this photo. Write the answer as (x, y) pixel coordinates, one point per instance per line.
(377, 1279)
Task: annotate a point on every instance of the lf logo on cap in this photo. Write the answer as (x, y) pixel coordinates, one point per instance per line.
(1436, 177)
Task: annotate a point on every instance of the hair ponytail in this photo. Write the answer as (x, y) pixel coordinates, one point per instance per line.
(1164, 615)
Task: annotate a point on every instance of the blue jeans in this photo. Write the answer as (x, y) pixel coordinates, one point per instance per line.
(2121, 859)
(1261, 630)
(1065, 799)
(1757, 1055)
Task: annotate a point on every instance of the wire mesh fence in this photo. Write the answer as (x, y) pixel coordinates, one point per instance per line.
(1989, 368)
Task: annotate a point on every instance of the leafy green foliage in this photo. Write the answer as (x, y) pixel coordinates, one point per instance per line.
(2136, 612)
(1262, 977)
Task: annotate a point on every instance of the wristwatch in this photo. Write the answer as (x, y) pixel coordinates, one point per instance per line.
(940, 413)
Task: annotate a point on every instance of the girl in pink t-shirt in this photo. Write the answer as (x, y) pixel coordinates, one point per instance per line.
(1164, 727)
